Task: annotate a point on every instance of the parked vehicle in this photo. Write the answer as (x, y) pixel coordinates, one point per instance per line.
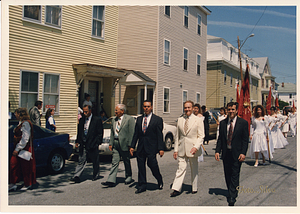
(213, 116)
(169, 132)
(51, 149)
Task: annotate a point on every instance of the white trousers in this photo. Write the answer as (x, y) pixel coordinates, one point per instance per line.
(180, 173)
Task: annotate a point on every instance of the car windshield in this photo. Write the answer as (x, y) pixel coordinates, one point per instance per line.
(107, 123)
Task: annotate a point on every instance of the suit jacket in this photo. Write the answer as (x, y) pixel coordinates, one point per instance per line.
(125, 133)
(95, 133)
(152, 140)
(35, 116)
(184, 142)
(240, 138)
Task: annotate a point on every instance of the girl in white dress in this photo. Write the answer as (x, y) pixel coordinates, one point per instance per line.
(285, 123)
(196, 111)
(293, 121)
(279, 140)
(259, 138)
(220, 118)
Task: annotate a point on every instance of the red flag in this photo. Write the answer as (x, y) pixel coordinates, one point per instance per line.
(237, 93)
(293, 104)
(244, 110)
(269, 101)
(276, 102)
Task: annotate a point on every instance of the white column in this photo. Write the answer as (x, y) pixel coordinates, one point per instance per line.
(145, 92)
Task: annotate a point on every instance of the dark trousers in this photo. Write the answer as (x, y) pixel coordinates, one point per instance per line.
(232, 169)
(152, 164)
(93, 154)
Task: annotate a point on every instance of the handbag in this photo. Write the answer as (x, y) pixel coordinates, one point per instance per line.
(24, 154)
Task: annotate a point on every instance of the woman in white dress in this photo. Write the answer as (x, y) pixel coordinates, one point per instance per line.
(279, 140)
(220, 118)
(285, 123)
(196, 111)
(293, 121)
(259, 138)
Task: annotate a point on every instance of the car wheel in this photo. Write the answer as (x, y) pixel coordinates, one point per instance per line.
(56, 162)
(168, 143)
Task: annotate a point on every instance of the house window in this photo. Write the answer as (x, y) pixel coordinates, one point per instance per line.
(186, 16)
(267, 83)
(290, 103)
(231, 99)
(224, 77)
(29, 89)
(53, 15)
(184, 98)
(167, 53)
(185, 59)
(98, 21)
(168, 10)
(262, 82)
(166, 100)
(199, 25)
(32, 12)
(290, 96)
(231, 54)
(51, 92)
(224, 104)
(230, 80)
(198, 97)
(198, 64)
(251, 83)
(238, 79)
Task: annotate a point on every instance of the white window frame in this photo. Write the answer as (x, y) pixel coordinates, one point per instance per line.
(224, 101)
(231, 79)
(169, 16)
(231, 53)
(167, 52)
(225, 78)
(30, 19)
(60, 16)
(196, 101)
(250, 81)
(57, 109)
(187, 64)
(166, 100)
(28, 92)
(199, 25)
(198, 64)
(187, 98)
(187, 16)
(103, 21)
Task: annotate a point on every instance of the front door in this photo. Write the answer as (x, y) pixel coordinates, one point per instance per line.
(93, 91)
(142, 98)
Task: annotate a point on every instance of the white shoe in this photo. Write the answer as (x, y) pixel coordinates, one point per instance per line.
(12, 187)
(255, 165)
(24, 188)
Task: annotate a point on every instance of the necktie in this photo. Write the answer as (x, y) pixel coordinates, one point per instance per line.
(145, 125)
(86, 126)
(186, 125)
(118, 127)
(230, 132)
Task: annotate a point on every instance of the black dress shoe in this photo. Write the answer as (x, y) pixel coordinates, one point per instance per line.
(231, 201)
(140, 191)
(160, 185)
(96, 178)
(174, 193)
(194, 192)
(75, 179)
(108, 184)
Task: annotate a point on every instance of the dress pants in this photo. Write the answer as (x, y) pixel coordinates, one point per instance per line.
(181, 171)
(232, 169)
(152, 164)
(93, 154)
(117, 154)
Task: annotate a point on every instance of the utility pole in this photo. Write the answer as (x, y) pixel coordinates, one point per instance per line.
(240, 58)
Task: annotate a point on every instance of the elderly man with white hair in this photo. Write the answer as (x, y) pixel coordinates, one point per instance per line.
(122, 131)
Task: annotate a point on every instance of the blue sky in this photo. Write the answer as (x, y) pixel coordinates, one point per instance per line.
(275, 34)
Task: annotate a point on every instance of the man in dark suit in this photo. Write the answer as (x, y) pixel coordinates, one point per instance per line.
(89, 137)
(148, 131)
(121, 134)
(233, 143)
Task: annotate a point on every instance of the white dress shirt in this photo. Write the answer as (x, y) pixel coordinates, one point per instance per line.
(228, 126)
(148, 119)
(116, 134)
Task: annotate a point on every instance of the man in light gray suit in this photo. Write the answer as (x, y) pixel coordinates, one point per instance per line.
(122, 131)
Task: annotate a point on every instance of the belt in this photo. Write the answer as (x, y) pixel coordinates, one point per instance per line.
(117, 139)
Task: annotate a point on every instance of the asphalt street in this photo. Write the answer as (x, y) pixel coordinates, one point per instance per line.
(271, 185)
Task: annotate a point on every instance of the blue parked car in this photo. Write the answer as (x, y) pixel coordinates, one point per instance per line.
(51, 149)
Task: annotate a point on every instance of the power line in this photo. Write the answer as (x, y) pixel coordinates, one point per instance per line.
(258, 21)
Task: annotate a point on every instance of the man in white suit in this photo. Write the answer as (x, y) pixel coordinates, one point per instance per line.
(188, 140)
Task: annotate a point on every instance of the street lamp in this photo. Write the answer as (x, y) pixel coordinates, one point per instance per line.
(240, 47)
